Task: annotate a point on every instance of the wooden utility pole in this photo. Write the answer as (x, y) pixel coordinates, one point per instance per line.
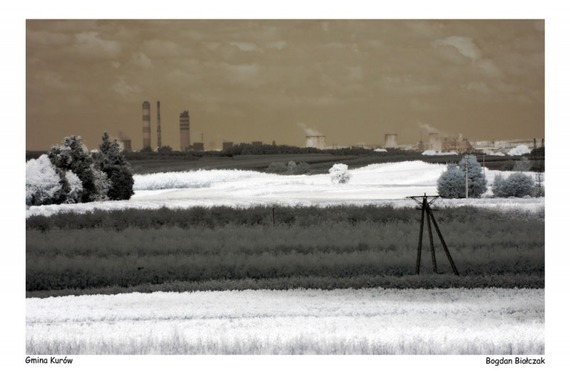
(466, 181)
(425, 206)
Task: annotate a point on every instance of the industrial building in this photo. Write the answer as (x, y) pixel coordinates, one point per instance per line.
(503, 146)
(184, 131)
(458, 144)
(146, 125)
(125, 145)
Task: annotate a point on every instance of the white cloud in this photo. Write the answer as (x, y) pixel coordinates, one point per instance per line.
(277, 45)
(479, 87)
(48, 38)
(90, 44)
(489, 68)
(243, 74)
(245, 46)
(464, 45)
(51, 80)
(126, 90)
(142, 60)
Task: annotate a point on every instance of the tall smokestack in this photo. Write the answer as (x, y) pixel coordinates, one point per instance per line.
(146, 124)
(184, 131)
(158, 139)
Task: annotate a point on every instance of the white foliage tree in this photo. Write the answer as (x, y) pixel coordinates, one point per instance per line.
(339, 173)
(75, 187)
(451, 184)
(43, 184)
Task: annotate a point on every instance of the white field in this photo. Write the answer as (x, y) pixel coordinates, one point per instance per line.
(377, 184)
(370, 321)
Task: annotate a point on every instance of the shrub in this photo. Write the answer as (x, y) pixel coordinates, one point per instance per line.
(516, 185)
(277, 168)
(43, 184)
(339, 173)
(290, 168)
(522, 165)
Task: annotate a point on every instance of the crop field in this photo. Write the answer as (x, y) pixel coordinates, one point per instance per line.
(224, 248)
(372, 321)
(234, 262)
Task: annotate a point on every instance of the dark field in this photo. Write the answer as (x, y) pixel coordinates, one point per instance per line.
(224, 248)
(259, 158)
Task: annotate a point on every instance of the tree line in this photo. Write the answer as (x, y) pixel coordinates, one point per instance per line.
(69, 173)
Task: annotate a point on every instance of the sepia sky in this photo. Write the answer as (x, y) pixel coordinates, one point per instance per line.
(273, 80)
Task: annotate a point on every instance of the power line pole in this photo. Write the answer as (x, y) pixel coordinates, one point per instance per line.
(425, 206)
(466, 181)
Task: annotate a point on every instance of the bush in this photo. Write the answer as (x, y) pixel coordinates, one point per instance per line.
(522, 165)
(277, 168)
(291, 168)
(43, 184)
(339, 173)
(516, 185)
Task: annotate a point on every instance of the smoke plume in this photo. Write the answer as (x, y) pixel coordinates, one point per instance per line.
(309, 132)
(425, 127)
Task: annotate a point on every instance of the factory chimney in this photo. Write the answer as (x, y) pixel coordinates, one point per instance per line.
(158, 138)
(184, 131)
(146, 124)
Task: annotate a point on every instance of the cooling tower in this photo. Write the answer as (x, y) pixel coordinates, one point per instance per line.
(146, 124)
(435, 142)
(391, 140)
(184, 131)
(315, 142)
(158, 137)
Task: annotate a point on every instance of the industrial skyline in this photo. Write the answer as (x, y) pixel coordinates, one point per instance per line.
(353, 81)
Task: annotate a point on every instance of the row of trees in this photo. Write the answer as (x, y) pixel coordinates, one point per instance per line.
(69, 173)
(468, 176)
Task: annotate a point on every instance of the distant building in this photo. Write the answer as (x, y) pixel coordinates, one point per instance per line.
(198, 146)
(227, 145)
(184, 131)
(458, 144)
(125, 145)
(503, 146)
(257, 143)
